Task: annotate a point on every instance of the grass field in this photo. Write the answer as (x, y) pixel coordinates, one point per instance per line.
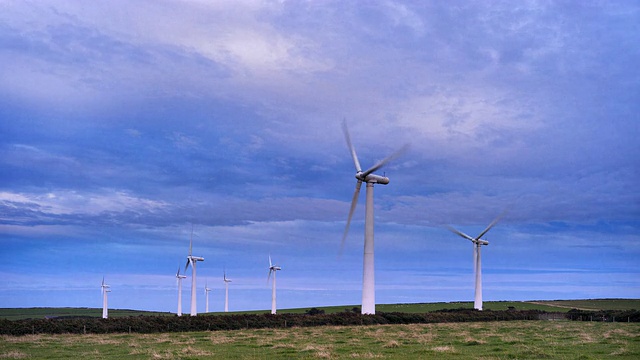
(39, 313)
(546, 305)
(543, 305)
(594, 304)
(494, 340)
(551, 306)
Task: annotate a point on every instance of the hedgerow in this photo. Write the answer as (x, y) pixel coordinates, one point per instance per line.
(158, 324)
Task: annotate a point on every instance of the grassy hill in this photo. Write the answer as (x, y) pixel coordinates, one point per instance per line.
(42, 312)
(544, 305)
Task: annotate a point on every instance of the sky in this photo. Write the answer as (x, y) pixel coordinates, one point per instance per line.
(128, 128)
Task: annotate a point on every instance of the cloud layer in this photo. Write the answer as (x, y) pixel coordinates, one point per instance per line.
(126, 125)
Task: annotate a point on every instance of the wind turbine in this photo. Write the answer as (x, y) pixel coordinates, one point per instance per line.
(105, 290)
(192, 260)
(179, 279)
(477, 262)
(206, 297)
(226, 291)
(368, 281)
(273, 269)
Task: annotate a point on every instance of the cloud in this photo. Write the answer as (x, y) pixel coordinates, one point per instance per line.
(126, 123)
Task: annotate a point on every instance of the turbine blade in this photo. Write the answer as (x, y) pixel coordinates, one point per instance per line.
(269, 277)
(384, 161)
(491, 225)
(270, 264)
(191, 240)
(187, 266)
(354, 203)
(350, 145)
(453, 230)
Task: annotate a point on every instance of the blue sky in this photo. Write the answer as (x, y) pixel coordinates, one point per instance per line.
(126, 123)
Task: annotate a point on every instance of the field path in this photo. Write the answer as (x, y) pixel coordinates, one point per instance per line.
(560, 306)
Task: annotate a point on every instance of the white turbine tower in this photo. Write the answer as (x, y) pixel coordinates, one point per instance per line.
(179, 279)
(477, 261)
(226, 292)
(206, 297)
(192, 260)
(105, 308)
(368, 281)
(273, 269)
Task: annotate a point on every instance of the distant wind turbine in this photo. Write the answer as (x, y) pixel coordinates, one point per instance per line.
(179, 279)
(206, 297)
(368, 281)
(105, 308)
(192, 260)
(477, 261)
(226, 291)
(273, 269)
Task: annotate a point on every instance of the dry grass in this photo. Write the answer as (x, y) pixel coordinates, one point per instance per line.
(391, 344)
(14, 355)
(539, 339)
(367, 355)
(443, 349)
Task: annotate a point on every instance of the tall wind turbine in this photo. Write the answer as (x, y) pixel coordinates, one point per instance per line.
(368, 281)
(206, 297)
(192, 260)
(179, 279)
(105, 290)
(226, 291)
(477, 262)
(273, 269)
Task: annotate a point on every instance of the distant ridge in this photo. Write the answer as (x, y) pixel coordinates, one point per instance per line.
(543, 305)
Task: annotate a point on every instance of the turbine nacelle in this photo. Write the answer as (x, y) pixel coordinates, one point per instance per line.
(191, 260)
(372, 178)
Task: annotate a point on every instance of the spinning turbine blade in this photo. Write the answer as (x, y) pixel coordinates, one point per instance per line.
(354, 202)
(384, 161)
(490, 226)
(453, 230)
(351, 148)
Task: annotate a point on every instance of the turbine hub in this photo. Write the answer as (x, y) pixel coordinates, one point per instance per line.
(372, 178)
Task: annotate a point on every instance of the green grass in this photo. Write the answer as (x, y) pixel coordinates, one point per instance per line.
(39, 313)
(543, 305)
(552, 306)
(595, 304)
(492, 340)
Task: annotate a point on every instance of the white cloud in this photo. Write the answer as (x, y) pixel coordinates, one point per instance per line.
(69, 202)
